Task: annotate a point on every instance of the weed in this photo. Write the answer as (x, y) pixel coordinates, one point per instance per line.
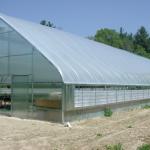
(108, 112)
(144, 147)
(146, 107)
(129, 126)
(99, 135)
(114, 147)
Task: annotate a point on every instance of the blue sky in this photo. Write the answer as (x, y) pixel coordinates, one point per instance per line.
(82, 17)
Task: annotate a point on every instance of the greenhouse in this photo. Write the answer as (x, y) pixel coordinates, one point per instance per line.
(48, 74)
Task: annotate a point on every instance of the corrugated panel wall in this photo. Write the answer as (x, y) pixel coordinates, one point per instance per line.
(98, 96)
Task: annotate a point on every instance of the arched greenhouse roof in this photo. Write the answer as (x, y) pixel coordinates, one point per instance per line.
(83, 61)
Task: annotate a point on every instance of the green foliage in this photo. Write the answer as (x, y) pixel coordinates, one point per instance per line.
(142, 39)
(109, 37)
(144, 147)
(114, 147)
(99, 135)
(146, 107)
(129, 126)
(138, 43)
(47, 23)
(108, 112)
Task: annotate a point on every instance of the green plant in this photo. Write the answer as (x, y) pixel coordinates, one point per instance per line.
(129, 126)
(144, 147)
(99, 135)
(146, 107)
(114, 147)
(108, 112)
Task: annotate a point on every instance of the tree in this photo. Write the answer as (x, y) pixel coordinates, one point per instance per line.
(47, 23)
(142, 39)
(109, 37)
(140, 50)
(138, 43)
(122, 33)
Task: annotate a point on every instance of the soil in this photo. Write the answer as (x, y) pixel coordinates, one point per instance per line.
(131, 129)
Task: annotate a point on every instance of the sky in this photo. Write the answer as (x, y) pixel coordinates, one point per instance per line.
(82, 17)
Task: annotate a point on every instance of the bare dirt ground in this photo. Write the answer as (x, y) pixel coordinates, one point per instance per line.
(130, 128)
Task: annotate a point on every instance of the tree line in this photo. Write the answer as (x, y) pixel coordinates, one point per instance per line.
(138, 43)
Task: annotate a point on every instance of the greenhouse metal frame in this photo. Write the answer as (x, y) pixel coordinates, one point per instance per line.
(52, 75)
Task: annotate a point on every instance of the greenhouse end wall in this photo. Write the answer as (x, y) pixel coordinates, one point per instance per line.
(30, 86)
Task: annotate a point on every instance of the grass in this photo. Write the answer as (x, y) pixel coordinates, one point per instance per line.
(114, 147)
(99, 135)
(146, 107)
(129, 126)
(144, 147)
(108, 112)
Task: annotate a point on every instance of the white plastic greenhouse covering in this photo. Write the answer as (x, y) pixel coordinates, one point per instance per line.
(83, 61)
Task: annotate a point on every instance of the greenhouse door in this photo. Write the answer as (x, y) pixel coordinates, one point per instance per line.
(21, 96)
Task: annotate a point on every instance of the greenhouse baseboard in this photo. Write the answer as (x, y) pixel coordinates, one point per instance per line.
(98, 111)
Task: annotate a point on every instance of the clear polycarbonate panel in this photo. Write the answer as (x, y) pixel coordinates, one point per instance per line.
(17, 58)
(78, 97)
(21, 65)
(44, 71)
(47, 95)
(21, 95)
(5, 87)
(120, 95)
(111, 96)
(5, 79)
(140, 94)
(91, 96)
(3, 44)
(18, 45)
(101, 96)
(4, 90)
(128, 95)
(146, 93)
(83, 61)
(4, 27)
(88, 97)
(134, 95)
(3, 65)
(5, 98)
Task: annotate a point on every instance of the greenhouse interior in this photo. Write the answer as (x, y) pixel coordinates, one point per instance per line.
(52, 75)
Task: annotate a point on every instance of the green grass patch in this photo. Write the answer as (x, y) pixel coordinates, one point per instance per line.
(146, 107)
(144, 147)
(114, 147)
(129, 126)
(99, 135)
